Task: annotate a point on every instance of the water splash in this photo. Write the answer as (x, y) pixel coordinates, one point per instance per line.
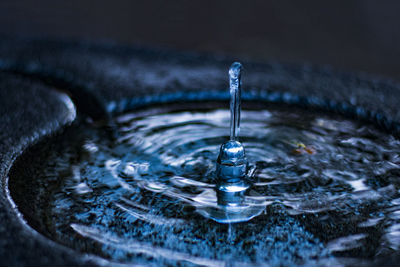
(233, 179)
(232, 162)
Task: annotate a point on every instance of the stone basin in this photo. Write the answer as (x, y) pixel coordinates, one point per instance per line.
(45, 83)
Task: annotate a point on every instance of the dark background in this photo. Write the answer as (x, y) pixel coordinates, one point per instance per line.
(350, 35)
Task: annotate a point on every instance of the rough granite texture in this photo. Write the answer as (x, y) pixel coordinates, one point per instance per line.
(100, 77)
(28, 111)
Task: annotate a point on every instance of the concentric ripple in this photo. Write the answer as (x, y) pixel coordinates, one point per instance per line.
(143, 191)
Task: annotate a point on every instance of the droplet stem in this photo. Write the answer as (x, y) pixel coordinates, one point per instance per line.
(231, 161)
(235, 85)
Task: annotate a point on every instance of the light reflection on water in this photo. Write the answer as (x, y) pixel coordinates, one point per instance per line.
(323, 187)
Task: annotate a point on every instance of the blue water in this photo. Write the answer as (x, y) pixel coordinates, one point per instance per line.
(325, 190)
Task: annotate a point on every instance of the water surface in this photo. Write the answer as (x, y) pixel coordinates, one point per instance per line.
(143, 190)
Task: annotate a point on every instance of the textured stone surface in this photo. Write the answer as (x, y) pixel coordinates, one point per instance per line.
(28, 111)
(112, 72)
(103, 77)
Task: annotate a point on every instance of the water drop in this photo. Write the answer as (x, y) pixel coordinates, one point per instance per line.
(232, 162)
(232, 166)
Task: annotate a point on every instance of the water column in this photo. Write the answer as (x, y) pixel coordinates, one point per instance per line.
(232, 163)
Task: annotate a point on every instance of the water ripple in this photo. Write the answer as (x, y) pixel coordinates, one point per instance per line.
(322, 186)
